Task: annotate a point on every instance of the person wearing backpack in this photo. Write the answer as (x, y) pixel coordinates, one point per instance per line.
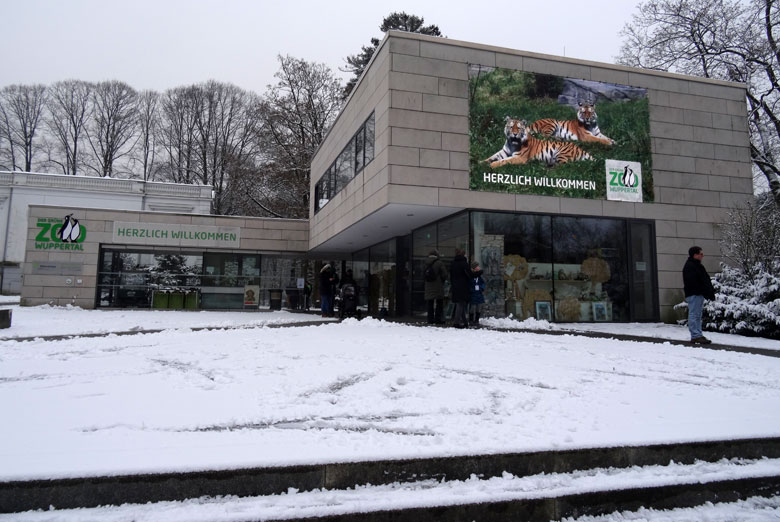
(434, 275)
(477, 295)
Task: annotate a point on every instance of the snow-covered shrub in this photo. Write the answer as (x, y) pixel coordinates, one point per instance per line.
(747, 289)
(743, 305)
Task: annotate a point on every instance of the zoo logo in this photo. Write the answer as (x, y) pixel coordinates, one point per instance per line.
(69, 231)
(626, 178)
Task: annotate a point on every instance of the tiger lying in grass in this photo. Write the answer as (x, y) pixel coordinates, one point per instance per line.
(520, 147)
(584, 128)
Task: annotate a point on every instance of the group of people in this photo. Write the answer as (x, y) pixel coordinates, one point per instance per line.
(467, 290)
(466, 286)
(330, 284)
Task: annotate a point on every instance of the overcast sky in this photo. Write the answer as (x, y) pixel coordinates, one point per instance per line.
(159, 44)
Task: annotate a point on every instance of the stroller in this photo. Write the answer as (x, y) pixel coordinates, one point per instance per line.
(346, 302)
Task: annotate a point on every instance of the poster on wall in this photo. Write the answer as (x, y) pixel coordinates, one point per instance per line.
(548, 135)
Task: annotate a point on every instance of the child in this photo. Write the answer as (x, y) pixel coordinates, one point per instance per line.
(477, 298)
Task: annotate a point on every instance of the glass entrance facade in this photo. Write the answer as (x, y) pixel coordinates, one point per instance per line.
(200, 280)
(556, 268)
(551, 267)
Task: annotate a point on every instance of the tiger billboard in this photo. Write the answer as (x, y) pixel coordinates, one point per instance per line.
(547, 135)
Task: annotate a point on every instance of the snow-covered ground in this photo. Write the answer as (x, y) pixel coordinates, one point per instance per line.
(47, 320)
(256, 396)
(649, 330)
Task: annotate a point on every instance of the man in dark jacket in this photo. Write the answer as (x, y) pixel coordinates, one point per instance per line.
(698, 287)
(327, 284)
(434, 287)
(460, 278)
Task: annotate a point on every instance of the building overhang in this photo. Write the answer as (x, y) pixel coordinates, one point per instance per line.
(392, 220)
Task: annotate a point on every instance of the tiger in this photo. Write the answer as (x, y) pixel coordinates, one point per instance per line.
(511, 145)
(530, 148)
(584, 128)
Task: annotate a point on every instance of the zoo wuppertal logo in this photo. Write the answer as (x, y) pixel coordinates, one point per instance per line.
(624, 180)
(60, 234)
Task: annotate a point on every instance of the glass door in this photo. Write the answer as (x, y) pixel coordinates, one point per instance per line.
(642, 272)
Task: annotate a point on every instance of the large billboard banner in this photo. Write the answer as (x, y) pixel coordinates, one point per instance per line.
(547, 135)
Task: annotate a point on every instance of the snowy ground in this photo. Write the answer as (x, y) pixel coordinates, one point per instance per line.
(256, 396)
(46, 321)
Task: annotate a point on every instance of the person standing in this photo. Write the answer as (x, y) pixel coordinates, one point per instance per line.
(434, 275)
(476, 288)
(306, 294)
(698, 287)
(334, 290)
(460, 278)
(348, 279)
(326, 289)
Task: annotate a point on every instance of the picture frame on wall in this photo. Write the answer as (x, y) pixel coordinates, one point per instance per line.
(543, 310)
(599, 311)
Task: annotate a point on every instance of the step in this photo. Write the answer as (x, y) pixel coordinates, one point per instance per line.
(16, 496)
(546, 496)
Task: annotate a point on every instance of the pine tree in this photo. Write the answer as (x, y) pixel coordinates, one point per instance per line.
(743, 305)
(748, 288)
(357, 63)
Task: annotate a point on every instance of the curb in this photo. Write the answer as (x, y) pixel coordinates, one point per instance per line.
(17, 496)
(593, 504)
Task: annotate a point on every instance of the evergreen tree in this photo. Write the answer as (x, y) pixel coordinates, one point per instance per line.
(748, 289)
(357, 63)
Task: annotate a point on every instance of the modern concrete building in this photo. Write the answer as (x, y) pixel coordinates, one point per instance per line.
(19, 190)
(451, 145)
(562, 235)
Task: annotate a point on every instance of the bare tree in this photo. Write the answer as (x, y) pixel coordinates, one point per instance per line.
(751, 237)
(296, 113)
(111, 130)
(21, 107)
(69, 107)
(177, 135)
(148, 121)
(225, 128)
(724, 39)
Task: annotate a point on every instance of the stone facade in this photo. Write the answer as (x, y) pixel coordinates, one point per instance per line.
(73, 268)
(418, 88)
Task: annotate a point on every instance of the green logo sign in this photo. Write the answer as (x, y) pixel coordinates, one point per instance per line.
(56, 234)
(624, 180)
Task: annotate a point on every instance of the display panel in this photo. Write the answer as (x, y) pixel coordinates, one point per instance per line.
(547, 135)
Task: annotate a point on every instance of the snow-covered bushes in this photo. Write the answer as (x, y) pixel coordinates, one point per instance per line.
(745, 305)
(747, 289)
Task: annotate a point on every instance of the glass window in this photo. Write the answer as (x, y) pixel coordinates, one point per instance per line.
(131, 279)
(360, 270)
(358, 153)
(590, 269)
(515, 253)
(344, 167)
(360, 139)
(369, 139)
(423, 241)
(453, 233)
(323, 189)
(382, 279)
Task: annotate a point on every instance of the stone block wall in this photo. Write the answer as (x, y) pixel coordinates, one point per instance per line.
(78, 284)
(418, 86)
